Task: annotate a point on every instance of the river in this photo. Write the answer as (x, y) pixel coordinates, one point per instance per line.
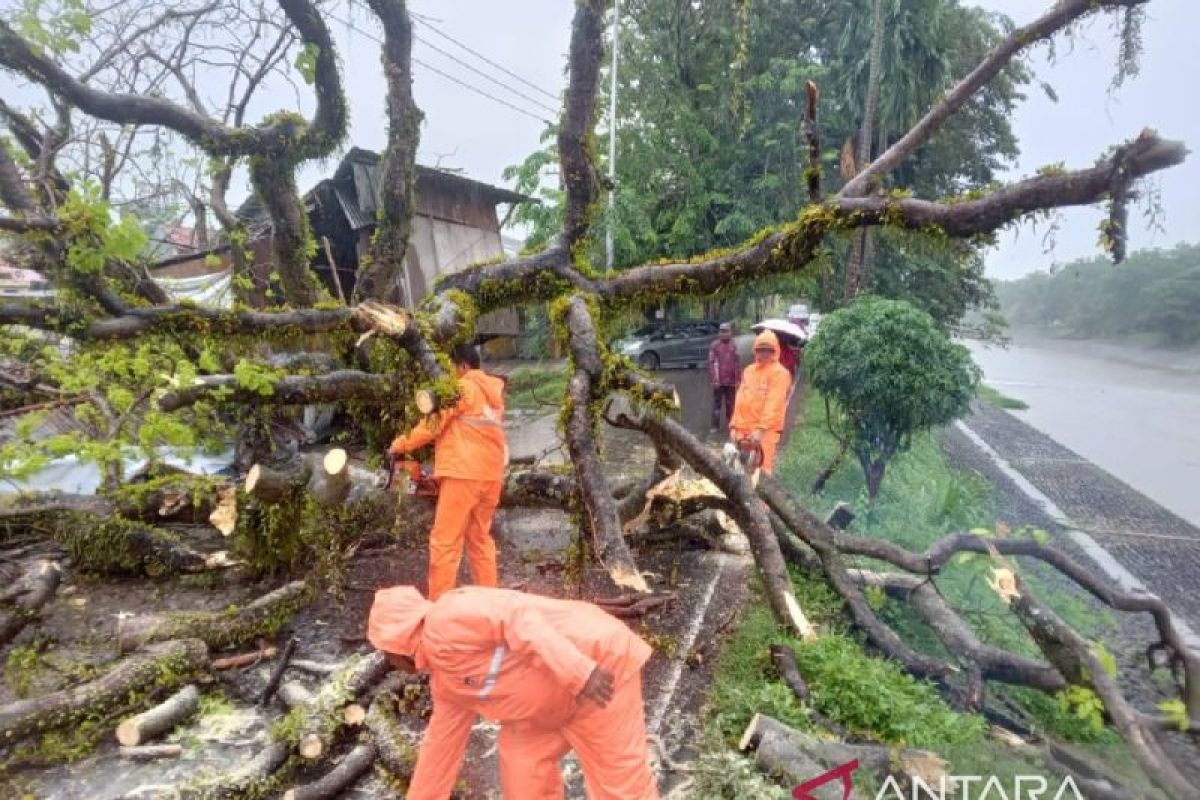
(1133, 412)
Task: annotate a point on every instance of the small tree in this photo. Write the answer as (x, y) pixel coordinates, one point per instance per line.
(893, 373)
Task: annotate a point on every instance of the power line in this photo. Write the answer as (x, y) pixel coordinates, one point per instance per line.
(447, 76)
(425, 24)
(483, 74)
(477, 90)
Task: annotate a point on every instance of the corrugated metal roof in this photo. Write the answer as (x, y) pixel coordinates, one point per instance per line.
(355, 216)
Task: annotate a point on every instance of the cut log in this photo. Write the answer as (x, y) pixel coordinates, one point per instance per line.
(224, 514)
(277, 672)
(396, 753)
(243, 659)
(799, 757)
(277, 483)
(354, 715)
(160, 719)
(160, 668)
(152, 752)
(33, 590)
(425, 400)
(330, 481)
(293, 694)
(338, 779)
(221, 629)
(323, 718)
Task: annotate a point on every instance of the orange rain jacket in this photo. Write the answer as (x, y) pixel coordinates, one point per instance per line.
(763, 396)
(506, 655)
(470, 436)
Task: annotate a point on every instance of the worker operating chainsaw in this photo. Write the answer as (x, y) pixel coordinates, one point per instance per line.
(760, 408)
(470, 454)
(558, 675)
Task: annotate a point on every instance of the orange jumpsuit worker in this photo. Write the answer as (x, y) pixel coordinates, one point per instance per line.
(760, 408)
(558, 675)
(470, 454)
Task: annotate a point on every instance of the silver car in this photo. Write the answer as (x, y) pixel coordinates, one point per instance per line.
(670, 344)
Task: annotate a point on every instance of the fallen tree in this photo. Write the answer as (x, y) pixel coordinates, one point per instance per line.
(388, 364)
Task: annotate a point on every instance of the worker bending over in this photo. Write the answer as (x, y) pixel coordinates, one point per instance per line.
(558, 675)
(470, 454)
(761, 405)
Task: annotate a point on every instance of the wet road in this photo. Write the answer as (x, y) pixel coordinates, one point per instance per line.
(1135, 414)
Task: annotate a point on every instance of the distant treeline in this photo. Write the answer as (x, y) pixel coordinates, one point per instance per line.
(1154, 295)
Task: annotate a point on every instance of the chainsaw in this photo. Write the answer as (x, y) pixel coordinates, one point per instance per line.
(420, 481)
(745, 453)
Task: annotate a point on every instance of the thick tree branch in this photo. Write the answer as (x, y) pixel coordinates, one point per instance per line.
(301, 390)
(382, 278)
(1059, 17)
(579, 119)
(582, 393)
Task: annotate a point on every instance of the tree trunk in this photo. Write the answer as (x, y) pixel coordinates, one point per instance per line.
(160, 667)
(274, 180)
(866, 132)
(221, 629)
(276, 484)
(160, 719)
(383, 278)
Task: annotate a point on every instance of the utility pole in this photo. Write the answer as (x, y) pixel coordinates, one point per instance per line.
(612, 140)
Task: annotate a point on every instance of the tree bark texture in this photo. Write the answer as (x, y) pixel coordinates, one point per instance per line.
(35, 588)
(159, 668)
(222, 629)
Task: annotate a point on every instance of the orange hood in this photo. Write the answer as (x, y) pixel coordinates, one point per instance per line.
(491, 386)
(767, 339)
(396, 620)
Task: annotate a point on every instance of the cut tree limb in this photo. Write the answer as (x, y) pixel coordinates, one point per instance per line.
(151, 752)
(323, 717)
(160, 667)
(35, 588)
(338, 779)
(277, 672)
(276, 484)
(395, 751)
(330, 481)
(220, 629)
(243, 659)
(160, 719)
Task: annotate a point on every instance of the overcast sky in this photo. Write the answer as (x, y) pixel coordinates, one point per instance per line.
(465, 130)
(473, 133)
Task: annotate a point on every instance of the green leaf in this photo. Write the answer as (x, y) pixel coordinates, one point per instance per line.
(306, 62)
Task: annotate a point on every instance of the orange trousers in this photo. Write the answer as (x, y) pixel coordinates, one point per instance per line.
(464, 514)
(610, 743)
(770, 444)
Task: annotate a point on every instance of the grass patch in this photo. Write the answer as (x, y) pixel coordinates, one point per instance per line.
(536, 387)
(922, 499)
(997, 398)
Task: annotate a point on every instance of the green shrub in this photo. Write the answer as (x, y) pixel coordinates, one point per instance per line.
(891, 373)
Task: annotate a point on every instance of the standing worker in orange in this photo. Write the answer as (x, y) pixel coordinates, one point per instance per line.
(761, 406)
(558, 675)
(470, 454)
